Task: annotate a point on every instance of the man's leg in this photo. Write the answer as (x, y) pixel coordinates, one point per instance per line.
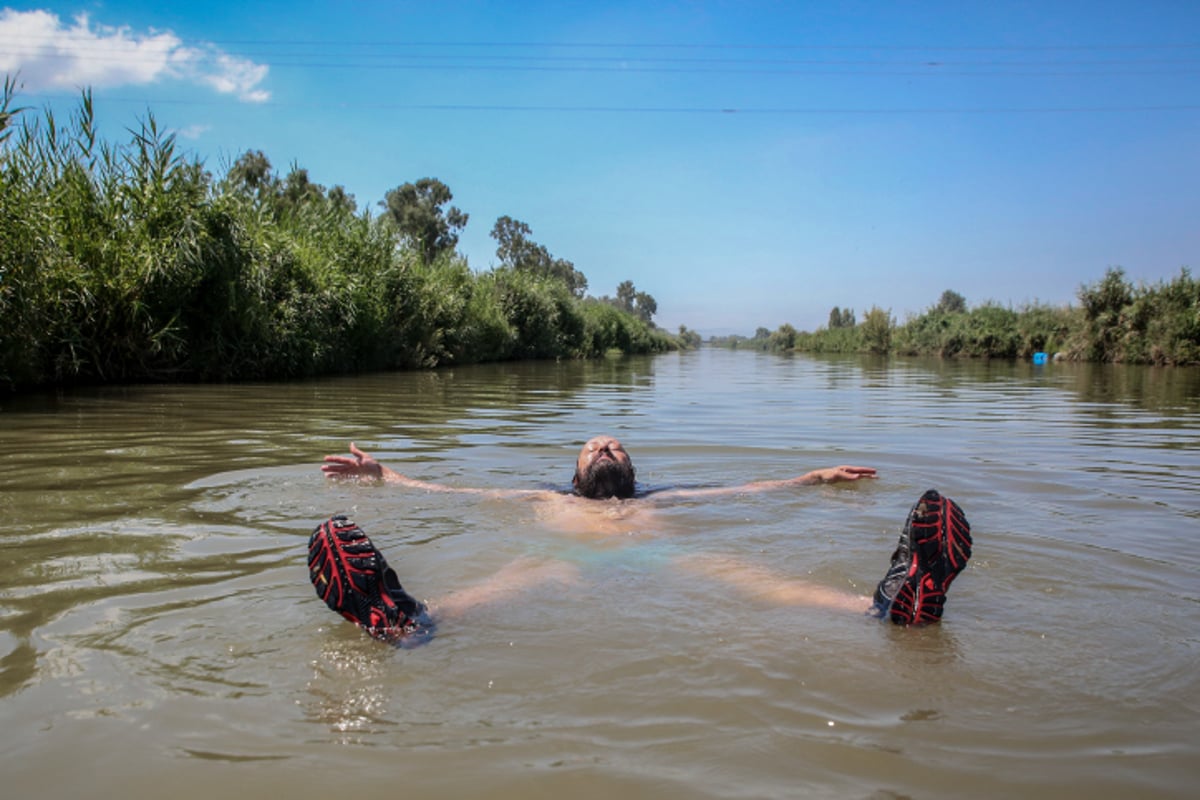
(934, 547)
(353, 578)
(509, 581)
(763, 583)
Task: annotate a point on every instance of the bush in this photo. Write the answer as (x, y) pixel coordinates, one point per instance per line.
(877, 331)
(132, 263)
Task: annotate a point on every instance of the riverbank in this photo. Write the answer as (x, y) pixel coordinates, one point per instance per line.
(1115, 322)
(129, 263)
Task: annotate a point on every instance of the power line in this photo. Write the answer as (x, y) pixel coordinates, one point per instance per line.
(810, 67)
(23, 47)
(677, 110)
(485, 44)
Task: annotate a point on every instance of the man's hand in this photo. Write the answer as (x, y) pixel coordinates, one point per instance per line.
(356, 465)
(835, 474)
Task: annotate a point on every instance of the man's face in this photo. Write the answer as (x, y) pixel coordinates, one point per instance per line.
(604, 470)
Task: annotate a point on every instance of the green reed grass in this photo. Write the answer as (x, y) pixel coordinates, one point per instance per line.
(132, 262)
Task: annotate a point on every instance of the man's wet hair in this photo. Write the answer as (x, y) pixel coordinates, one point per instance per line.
(604, 479)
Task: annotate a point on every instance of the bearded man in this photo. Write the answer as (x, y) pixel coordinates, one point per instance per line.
(353, 577)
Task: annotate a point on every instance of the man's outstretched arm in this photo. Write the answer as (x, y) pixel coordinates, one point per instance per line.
(838, 474)
(360, 465)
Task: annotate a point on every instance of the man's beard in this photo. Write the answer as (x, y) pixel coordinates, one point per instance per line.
(604, 479)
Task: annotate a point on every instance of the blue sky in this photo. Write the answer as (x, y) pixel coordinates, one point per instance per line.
(747, 163)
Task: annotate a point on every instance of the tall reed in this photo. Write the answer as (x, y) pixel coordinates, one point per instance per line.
(133, 262)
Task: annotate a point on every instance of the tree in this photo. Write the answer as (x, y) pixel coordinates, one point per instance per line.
(626, 293)
(512, 239)
(1104, 308)
(645, 306)
(877, 330)
(951, 302)
(417, 210)
(298, 190)
(516, 250)
(340, 199)
(689, 339)
(251, 174)
(841, 318)
(631, 301)
(783, 339)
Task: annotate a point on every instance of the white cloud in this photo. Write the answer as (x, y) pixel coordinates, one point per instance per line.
(238, 76)
(193, 131)
(49, 54)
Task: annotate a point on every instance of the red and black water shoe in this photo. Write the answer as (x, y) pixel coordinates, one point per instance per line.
(934, 547)
(354, 579)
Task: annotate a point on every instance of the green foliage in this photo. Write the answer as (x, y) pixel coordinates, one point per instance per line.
(608, 328)
(132, 263)
(831, 340)
(1103, 304)
(987, 331)
(517, 251)
(1115, 322)
(876, 331)
(1155, 325)
(951, 302)
(541, 313)
(783, 339)
(1044, 329)
(418, 213)
(631, 301)
(688, 339)
(8, 112)
(1172, 333)
(841, 318)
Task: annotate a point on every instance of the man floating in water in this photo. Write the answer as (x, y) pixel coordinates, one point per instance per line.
(354, 579)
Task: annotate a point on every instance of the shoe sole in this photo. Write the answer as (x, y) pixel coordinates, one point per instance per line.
(940, 541)
(347, 572)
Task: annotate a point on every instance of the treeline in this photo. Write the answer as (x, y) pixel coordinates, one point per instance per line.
(1115, 321)
(132, 262)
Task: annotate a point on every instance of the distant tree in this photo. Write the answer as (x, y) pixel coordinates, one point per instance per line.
(631, 301)
(784, 338)
(877, 330)
(645, 306)
(516, 250)
(514, 247)
(626, 295)
(688, 339)
(1105, 305)
(251, 172)
(951, 302)
(762, 333)
(341, 200)
(418, 211)
(298, 190)
(841, 318)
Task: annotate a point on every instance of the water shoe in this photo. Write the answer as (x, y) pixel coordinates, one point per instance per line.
(934, 547)
(354, 579)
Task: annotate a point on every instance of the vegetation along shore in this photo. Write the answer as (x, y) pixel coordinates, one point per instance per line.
(133, 262)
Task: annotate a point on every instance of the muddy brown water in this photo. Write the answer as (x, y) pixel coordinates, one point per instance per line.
(158, 636)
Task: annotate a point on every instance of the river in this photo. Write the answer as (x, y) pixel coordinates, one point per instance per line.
(158, 634)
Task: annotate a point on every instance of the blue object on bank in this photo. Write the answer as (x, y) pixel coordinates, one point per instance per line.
(1039, 358)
